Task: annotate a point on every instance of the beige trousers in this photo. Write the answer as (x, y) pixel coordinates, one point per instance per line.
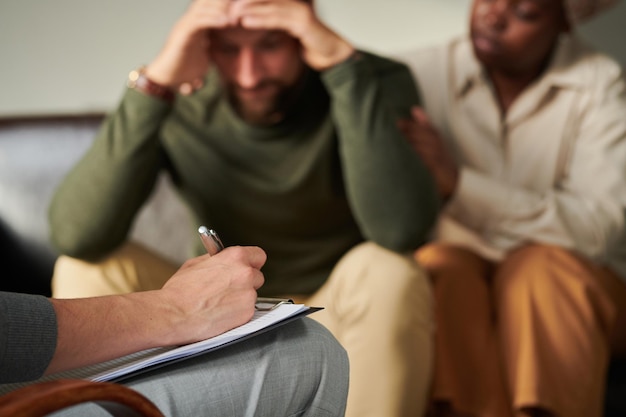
(130, 268)
(377, 303)
(534, 331)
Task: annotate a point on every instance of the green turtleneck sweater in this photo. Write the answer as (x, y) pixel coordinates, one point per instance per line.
(334, 172)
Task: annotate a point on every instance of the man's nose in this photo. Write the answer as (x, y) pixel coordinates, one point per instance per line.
(249, 70)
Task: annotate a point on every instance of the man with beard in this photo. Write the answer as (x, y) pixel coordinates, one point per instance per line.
(277, 133)
(524, 129)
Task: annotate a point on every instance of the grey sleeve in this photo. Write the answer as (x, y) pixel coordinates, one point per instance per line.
(28, 336)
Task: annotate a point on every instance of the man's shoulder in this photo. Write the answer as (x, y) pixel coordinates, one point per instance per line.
(379, 65)
(382, 62)
(388, 73)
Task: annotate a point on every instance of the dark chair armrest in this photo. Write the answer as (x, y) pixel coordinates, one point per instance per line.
(47, 397)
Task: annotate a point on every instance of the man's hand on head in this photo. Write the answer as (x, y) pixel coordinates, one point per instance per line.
(322, 48)
(184, 58)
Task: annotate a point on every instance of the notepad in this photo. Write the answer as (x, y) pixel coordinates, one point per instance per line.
(117, 370)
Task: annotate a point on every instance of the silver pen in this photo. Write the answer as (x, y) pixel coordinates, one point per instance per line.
(211, 241)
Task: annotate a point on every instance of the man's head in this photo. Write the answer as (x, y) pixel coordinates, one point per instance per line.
(516, 36)
(260, 69)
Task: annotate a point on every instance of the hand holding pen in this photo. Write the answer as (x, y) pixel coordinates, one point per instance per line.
(209, 295)
(213, 245)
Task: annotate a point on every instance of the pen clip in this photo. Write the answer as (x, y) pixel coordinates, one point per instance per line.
(267, 304)
(211, 241)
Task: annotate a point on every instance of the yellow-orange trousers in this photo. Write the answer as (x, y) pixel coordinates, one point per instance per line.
(535, 330)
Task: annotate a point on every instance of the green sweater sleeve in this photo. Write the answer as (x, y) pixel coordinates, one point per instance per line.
(92, 210)
(28, 336)
(391, 193)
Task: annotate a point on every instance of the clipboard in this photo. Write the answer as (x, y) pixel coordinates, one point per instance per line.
(304, 312)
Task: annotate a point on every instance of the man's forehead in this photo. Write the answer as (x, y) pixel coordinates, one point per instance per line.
(248, 36)
(544, 3)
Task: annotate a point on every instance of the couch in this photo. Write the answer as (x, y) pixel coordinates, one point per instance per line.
(35, 154)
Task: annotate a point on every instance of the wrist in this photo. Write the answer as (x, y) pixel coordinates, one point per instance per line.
(140, 81)
(161, 320)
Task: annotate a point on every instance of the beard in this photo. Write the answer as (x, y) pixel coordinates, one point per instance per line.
(265, 104)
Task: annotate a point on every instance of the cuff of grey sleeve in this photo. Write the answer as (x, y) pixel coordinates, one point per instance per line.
(478, 200)
(28, 330)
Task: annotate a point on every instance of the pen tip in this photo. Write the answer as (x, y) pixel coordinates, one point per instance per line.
(202, 229)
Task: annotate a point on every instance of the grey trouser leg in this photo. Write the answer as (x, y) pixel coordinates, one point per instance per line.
(298, 369)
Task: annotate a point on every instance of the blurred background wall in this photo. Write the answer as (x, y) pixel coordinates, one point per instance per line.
(72, 56)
